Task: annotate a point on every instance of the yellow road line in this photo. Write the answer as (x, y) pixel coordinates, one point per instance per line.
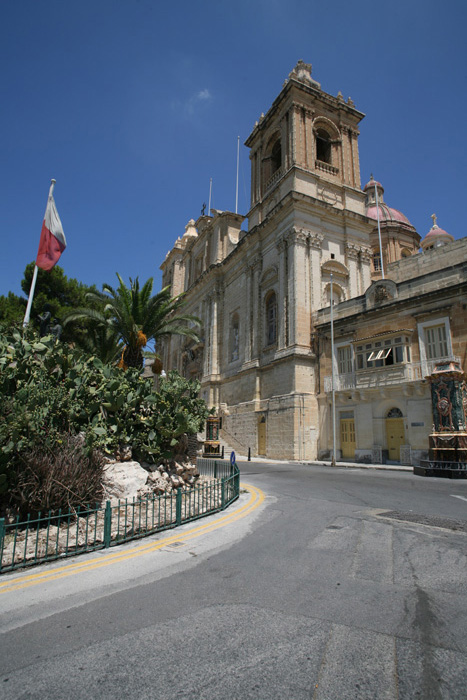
(113, 557)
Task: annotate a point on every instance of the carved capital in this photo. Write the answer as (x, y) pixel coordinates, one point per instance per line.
(316, 240)
(366, 254)
(255, 263)
(281, 244)
(353, 251)
(297, 236)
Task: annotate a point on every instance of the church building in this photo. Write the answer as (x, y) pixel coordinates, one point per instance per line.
(263, 292)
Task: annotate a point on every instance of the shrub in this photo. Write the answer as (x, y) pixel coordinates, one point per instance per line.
(61, 478)
(48, 389)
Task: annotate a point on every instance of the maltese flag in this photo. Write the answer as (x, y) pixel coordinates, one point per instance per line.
(52, 242)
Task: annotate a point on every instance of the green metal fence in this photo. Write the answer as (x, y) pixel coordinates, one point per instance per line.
(54, 536)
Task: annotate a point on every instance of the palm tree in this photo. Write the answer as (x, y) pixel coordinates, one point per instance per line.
(137, 317)
(103, 341)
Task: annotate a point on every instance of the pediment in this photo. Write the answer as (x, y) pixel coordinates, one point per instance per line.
(380, 292)
(269, 275)
(335, 268)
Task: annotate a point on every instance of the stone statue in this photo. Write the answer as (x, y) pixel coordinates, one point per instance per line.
(44, 319)
(56, 329)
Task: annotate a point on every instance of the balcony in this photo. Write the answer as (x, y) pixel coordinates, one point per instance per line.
(384, 376)
(326, 167)
(275, 177)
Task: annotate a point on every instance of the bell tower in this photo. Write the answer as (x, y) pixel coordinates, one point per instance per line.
(306, 143)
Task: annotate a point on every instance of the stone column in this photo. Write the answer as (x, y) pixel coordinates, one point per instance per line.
(216, 299)
(366, 255)
(248, 314)
(297, 294)
(282, 295)
(294, 134)
(309, 139)
(352, 253)
(207, 335)
(315, 242)
(353, 136)
(257, 324)
(254, 178)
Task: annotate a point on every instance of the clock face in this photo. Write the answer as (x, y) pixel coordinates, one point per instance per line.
(327, 195)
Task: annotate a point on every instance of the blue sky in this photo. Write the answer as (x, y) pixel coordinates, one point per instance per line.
(133, 105)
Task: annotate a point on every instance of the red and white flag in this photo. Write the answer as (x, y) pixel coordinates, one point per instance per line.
(52, 242)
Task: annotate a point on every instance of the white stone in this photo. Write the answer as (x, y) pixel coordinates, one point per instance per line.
(124, 479)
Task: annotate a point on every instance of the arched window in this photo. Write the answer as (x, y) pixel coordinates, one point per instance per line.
(394, 413)
(271, 319)
(272, 161)
(276, 156)
(337, 294)
(323, 147)
(234, 337)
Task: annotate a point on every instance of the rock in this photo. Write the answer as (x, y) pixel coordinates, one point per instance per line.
(124, 479)
(150, 467)
(126, 453)
(176, 481)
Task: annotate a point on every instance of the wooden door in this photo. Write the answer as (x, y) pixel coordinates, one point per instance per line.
(348, 438)
(262, 436)
(396, 437)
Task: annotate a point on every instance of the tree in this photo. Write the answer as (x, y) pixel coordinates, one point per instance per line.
(61, 294)
(54, 290)
(136, 316)
(12, 310)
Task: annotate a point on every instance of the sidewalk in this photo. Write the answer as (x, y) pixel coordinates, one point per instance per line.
(327, 463)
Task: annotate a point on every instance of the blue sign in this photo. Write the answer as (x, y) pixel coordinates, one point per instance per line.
(232, 457)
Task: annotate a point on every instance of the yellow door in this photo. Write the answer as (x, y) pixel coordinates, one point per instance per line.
(396, 437)
(262, 436)
(348, 437)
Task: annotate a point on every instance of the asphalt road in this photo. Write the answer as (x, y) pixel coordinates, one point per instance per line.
(342, 584)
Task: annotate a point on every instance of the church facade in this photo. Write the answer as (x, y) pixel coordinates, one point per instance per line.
(263, 292)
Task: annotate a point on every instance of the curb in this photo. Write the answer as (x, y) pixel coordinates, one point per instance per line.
(339, 465)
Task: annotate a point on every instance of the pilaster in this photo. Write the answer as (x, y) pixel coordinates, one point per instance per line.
(256, 316)
(315, 243)
(298, 306)
(352, 254)
(282, 294)
(366, 255)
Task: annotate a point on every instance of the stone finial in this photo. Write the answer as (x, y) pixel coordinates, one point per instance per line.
(435, 219)
(302, 73)
(350, 102)
(340, 96)
(190, 229)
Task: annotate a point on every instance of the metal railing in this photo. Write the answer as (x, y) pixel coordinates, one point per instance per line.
(55, 536)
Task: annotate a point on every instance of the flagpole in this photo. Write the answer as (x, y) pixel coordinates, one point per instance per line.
(34, 277)
(210, 193)
(333, 394)
(236, 189)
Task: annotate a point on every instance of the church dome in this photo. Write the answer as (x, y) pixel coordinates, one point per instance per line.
(436, 236)
(386, 214)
